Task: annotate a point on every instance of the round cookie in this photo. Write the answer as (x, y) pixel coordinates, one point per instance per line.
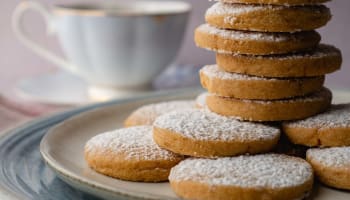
(328, 129)
(242, 86)
(200, 100)
(278, 2)
(275, 110)
(331, 166)
(259, 177)
(146, 114)
(322, 60)
(201, 133)
(130, 154)
(254, 43)
(267, 18)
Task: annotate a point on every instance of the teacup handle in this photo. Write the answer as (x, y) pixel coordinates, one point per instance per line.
(17, 24)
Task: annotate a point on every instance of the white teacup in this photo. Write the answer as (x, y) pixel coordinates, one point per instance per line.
(122, 45)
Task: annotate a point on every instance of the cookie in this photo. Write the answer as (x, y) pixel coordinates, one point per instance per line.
(146, 115)
(331, 166)
(267, 18)
(201, 133)
(329, 129)
(278, 2)
(242, 86)
(130, 154)
(200, 100)
(275, 110)
(254, 43)
(259, 177)
(322, 60)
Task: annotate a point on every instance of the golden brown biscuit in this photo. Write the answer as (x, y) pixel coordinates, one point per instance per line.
(241, 86)
(278, 2)
(201, 133)
(331, 166)
(254, 43)
(328, 129)
(275, 110)
(259, 177)
(267, 18)
(320, 61)
(146, 114)
(130, 154)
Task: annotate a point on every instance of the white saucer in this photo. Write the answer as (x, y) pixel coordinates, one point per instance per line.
(59, 87)
(63, 88)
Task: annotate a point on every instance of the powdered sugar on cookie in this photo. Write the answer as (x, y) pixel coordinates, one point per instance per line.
(213, 71)
(331, 157)
(266, 170)
(321, 95)
(247, 35)
(321, 51)
(135, 143)
(150, 112)
(336, 116)
(206, 125)
(224, 9)
(277, 2)
(232, 11)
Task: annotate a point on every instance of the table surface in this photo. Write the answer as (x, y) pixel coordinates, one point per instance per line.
(14, 111)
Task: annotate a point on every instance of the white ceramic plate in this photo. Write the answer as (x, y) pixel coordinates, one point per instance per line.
(62, 149)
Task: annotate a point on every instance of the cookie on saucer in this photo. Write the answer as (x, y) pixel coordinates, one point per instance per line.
(323, 59)
(278, 2)
(242, 86)
(267, 18)
(328, 129)
(146, 114)
(130, 154)
(259, 177)
(272, 110)
(331, 166)
(201, 133)
(254, 43)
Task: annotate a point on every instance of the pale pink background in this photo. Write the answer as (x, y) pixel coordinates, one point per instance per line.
(17, 61)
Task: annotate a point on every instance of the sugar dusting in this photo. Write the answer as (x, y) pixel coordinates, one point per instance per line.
(337, 116)
(220, 8)
(135, 143)
(250, 35)
(321, 51)
(205, 125)
(150, 112)
(230, 11)
(331, 157)
(276, 2)
(321, 95)
(259, 171)
(213, 71)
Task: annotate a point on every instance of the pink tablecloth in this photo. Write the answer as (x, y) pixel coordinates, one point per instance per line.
(14, 112)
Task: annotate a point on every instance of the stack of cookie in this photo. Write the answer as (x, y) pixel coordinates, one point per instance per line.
(270, 65)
